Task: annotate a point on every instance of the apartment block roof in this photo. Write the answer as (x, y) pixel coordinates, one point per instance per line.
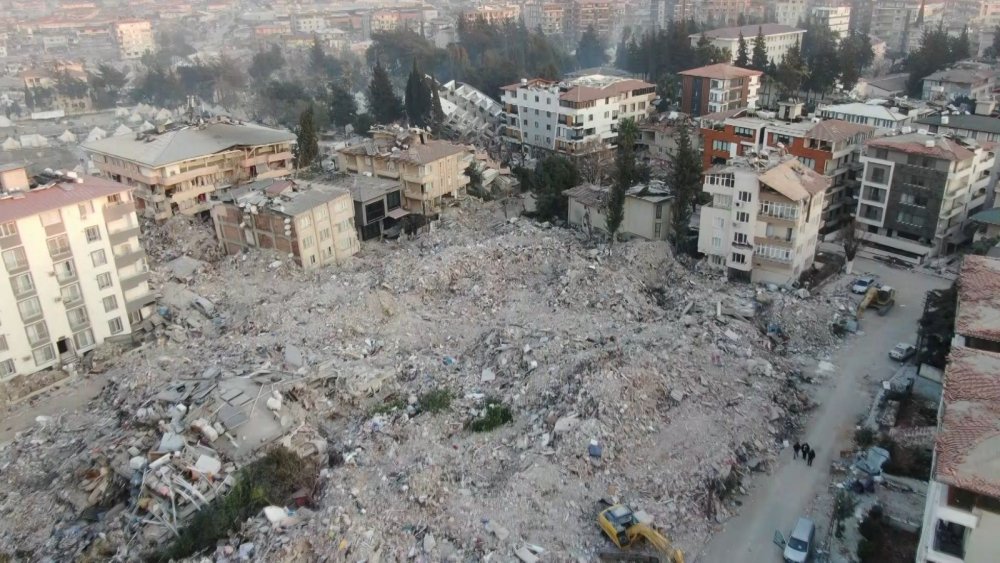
(187, 142)
(586, 88)
(794, 180)
(978, 312)
(749, 31)
(55, 195)
(968, 440)
(967, 122)
(590, 195)
(721, 71)
(286, 197)
(835, 130)
(403, 145)
(924, 145)
(867, 110)
(960, 75)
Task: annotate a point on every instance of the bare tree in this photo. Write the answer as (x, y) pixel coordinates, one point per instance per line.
(852, 240)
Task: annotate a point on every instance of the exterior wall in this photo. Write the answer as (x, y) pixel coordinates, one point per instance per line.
(777, 44)
(982, 540)
(942, 89)
(134, 39)
(703, 95)
(641, 218)
(838, 19)
(576, 214)
(424, 185)
(186, 187)
(71, 304)
(788, 12)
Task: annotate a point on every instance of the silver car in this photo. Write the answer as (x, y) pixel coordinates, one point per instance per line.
(799, 546)
(862, 284)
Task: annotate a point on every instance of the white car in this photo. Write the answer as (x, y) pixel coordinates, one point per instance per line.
(862, 284)
(902, 351)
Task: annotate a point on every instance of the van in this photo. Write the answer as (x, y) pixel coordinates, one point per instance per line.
(799, 546)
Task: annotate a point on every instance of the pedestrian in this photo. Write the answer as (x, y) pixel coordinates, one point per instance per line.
(796, 449)
(805, 450)
(812, 456)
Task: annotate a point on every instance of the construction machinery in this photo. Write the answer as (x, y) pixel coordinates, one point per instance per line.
(625, 530)
(880, 297)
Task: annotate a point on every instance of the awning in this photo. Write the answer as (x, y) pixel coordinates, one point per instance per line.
(398, 213)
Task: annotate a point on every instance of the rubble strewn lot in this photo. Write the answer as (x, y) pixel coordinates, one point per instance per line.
(628, 378)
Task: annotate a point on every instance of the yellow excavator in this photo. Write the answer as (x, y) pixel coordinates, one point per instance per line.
(625, 530)
(881, 298)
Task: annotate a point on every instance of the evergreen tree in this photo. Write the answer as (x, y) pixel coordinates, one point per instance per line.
(626, 174)
(685, 180)
(742, 53)
(993, 51)
(758, 60)
(383, 102)
(960, 45)
(820, 55)
(437, 112)
(317, 57)
(792, 72)
(417, 98)
(307, 142)
(550, 178)
(856, 54)
(591, 51)
(343, 107)
(266, 63)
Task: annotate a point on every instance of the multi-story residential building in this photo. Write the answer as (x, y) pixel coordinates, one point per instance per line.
(657, 140)
(313, 223)
(837, 18)
(77, 274)
(763, 222)
(886, 118)
(587, 13)
(134, 38)
(900, 23)
(978, 127)
(378, 205)
(788, 12)
(718, 87)
(178, 171)
(309, 22)
(831, 148)
(778, 39)
(578, 117)
(494, 14)
(721, 12)
(647, 211)
(961, 520)
(431, 171)
(917, 192)
(469, 113)
(664, 12)
(975, 81)
(550, 17)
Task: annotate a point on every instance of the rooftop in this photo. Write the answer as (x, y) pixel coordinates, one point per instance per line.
(187, 142)
(968, 440)
(56, 195)
(869, 110)
(962, 75)
(794, 180)
(988, 216)
(585, 88)
(365, 188)
(834, 130)
(978, 312)
(749, 31)
(403, 145)
(967, 122)
(589, 195)
(287, 197)
(721, 71)
(924, 145)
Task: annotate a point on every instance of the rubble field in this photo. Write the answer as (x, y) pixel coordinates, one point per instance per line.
(629, 378)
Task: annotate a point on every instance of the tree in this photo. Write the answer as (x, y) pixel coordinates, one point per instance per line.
(343, 107)
(855, 54)
(851, 240)
(307, 142)
(266, 63)
(936, 52)
(821, 58)
(106, 84)
(792, 72)
(758, 60)
(417, 98)
(685, 179)
(550, 178)
(742, 53)
(959, 47)
(383, 102)
(993, 51)
(437, 112)
(626, 175)
(936, 326)
(706, 53)
(317, 57)
(591, 51)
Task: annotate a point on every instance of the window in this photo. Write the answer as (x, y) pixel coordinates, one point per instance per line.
(135, 317)
(877, 175)
(321, 211)
(84, 339)
(746, 197)
(6, 368)
(721, 146)
(881, 154)
(29, 308)
(324, 234)
(8, 229)
(659, 211)
(914, 200)
(308, 242)
(43, 355)
(740, 238)
(22, 284)
(720, 222)
(656, 230)
(15, 259)
(37, 333)
(85, 209)
(739, 258)
(115, 325)
(3, 343)
(58, 245)
(305, 222)
(809, 162)
(104, 280)
(110, 303)
(726, 180)
(71, 293)
(93, 233)
(783, 139)
(743, 132)
(65, 270)
(716, 242)
(742, 217)
(99, 258)
(910, 218)
(392, 200)
(77, 317)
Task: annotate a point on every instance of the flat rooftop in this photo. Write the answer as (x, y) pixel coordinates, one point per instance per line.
(55, 195)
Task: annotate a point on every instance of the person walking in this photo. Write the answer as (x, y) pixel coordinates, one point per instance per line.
(812, 456)
(805, 450)
(796, 449)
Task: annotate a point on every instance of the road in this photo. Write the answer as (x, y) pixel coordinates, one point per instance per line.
(777, 500)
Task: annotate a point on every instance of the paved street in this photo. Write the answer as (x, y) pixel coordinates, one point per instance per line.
(777, 500)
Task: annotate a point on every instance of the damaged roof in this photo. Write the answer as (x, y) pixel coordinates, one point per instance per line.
(56, 195)
(978, 312)
(794, 180)
(589, 195)
(917, 143)
(722, 71)
(835, 130)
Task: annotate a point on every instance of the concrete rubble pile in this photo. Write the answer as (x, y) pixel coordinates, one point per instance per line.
(630, 379)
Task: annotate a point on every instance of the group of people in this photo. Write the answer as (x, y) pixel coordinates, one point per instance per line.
(808, 454)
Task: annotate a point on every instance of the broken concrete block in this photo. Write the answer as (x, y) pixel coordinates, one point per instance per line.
(677, 395)
(499, 531)
(429, 542)
(171, 442)
(525, 555)
(137, 463)
(276, 515)
(566, 423)
(488, 375)
(207, 465)
(293, 357)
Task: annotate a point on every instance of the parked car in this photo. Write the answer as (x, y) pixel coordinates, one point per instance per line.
(799, 546)
(902, 351)
(862, 284)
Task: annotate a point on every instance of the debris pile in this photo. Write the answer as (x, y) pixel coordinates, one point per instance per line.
(627, 378)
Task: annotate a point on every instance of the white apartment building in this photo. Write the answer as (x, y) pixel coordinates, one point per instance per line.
(134, 38)
(917, 193)
(308, 22)
(777, 38)
(788, 12)
(876, 115)
(575, 117)
(764, 219)
(76, 272)
(838, 18)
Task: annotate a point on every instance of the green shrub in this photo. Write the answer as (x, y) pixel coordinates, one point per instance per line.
(435, 401)
(391, 404)
(864, 437)
(495, 414)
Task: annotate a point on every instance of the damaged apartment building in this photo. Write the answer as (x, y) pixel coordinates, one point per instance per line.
(179, 169)
(430, 171)
(763, 222)
(77, 274)
(310, 223)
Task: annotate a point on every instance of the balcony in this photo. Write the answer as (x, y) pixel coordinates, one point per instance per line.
(774, 241)
(511, 109)
(133, 281)
(60, 252)
(115, 211)
(127, 259)
(124, 235)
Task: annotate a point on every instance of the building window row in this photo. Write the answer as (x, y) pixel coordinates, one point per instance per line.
(779, 210)
(773, 253)
(726, 180)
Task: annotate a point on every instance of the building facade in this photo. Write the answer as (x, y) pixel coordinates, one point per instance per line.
(876, 115)
(494, 14)
(917, 193)
(975, 81)
(179, 170)
(576, 118)
(76, 271)
(313, 223)
(788, 12)
(134, 38)
(778, 39)
(763, 223)
(378, 206)
(718, 87)
(647, 210)
(900, 23)
(837, 18)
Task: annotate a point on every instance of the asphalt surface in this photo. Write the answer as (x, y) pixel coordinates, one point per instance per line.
(776, 501)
